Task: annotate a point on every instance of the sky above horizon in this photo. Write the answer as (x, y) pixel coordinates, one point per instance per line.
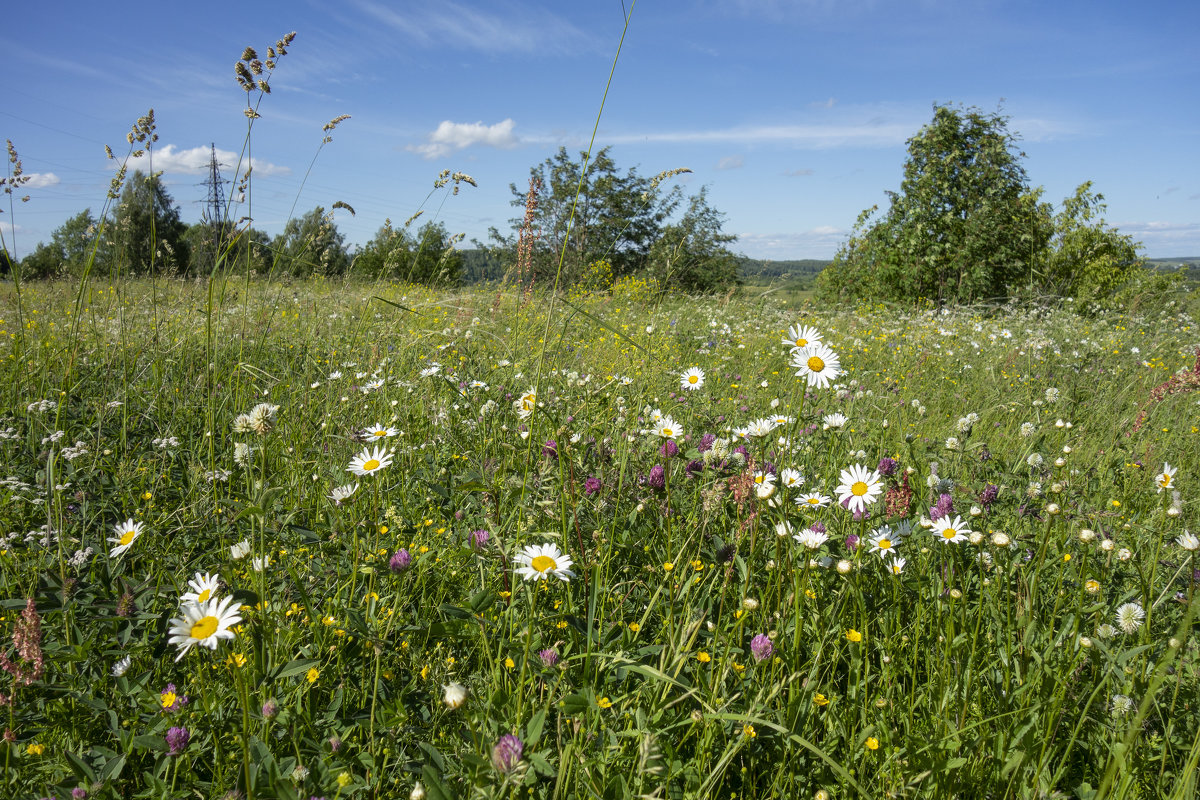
(793, 114)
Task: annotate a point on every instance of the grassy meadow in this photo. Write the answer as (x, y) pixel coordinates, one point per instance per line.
(325, 540)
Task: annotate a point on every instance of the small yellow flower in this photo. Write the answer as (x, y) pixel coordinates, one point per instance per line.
(872, 743)
(425, 672)
(509, 663)
(604, 702)
(147, 496)
(312, 674)
(633, 626)
(36, 749)
(810, 594)
(383, 529)
(1066, 556)
(668, 566)
(450, 661)
(344, 779)
(236, 660)
(703, 657)
(168, 699)
(1092, 586)
(748, 731)
(820, 699)
(853, 635)
(1116, 503)
(561, 624)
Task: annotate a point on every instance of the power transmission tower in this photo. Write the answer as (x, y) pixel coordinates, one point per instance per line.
(214, 211)
(213, 216)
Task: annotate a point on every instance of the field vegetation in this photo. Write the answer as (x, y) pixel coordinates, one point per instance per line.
(273, 531)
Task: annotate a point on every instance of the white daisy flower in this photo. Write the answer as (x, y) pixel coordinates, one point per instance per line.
(860, 487)
(526, 403)
(203, 624)
(1166, 478)
(951, 531)
(764, 484)
(691, 379)
(791, 478)
(376, 432)
(813, 500)
(817, 364)
(127, 533)
(800, 336)
(885, 542)
(810, 538)
(1188, 541)
(760, 428)
(897, 565)
(834, 421)
(341, 494)
(539, 561)
(203, 586)
(370, 461)
(240, 550)
(668, 428)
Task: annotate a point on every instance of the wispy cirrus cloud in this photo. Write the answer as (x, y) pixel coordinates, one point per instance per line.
(195, 161)
(821, 242)
(731, 162)
(510, 27)
(450, 137)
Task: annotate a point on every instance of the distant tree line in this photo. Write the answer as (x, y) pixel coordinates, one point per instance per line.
(587, 222)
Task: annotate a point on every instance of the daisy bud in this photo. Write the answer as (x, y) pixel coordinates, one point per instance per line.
(1085, 641)
(1087, 535)
(844, 567)
(1173, 511)
(1053, 509)
(1000, 539)
(1066, 449)
(418, 792)
(455, 695)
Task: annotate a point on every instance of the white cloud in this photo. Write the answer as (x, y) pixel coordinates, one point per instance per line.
(450, 137)
(195, 161)
(731, 162)
(37, 180)
(1164, 239)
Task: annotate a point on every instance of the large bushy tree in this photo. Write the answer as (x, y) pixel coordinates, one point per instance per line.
(691, 254)
(311, 245)
(589, 211)
(147, 233)
(429, 257)
(963, 227)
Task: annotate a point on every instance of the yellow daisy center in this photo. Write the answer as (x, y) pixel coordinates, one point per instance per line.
(380, 433)
(812, 501)
(543, 563)
(949, 533)
(693, 378)
(204, 595)
(204, 627)
(127, 537)
(668, 432)
(884, 544)
(896, 568)
(816, 364)
(859, 488)
(370, 465)
(758, 478)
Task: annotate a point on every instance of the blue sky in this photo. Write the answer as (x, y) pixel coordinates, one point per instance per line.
(793, 114)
